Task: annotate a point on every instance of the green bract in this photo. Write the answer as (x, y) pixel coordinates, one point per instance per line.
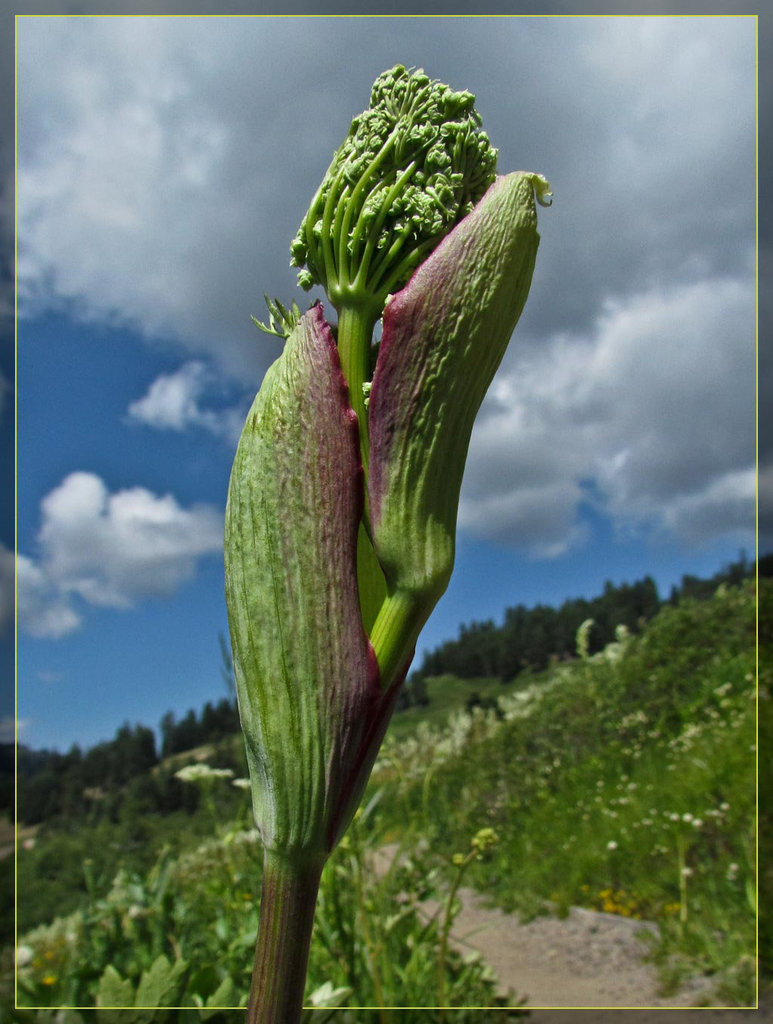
(444, 336)
(307, 681)
(411, 167)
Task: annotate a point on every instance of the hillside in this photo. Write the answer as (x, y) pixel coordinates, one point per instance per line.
(624, 782)
(621, 781)
(84, 786)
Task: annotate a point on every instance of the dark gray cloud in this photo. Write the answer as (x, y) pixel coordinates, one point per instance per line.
(624, 406)
(165, 164)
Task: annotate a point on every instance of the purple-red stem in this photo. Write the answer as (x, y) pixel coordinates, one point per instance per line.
(287, 902)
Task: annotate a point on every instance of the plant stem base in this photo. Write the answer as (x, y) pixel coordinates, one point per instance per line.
(288, 899)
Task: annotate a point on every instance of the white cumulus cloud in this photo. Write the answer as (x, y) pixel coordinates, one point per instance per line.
(173, 402)
(109, 550)
(44, 609)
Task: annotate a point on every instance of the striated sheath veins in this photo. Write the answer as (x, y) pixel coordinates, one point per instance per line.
(444, 336)
(307, 681)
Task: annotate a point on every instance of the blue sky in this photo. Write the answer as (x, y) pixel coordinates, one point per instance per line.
(163, 170)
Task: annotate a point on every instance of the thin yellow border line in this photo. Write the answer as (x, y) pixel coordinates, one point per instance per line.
(757, 519)
(16, 19)
(504, 1009)
(232, 16)
(15, 522)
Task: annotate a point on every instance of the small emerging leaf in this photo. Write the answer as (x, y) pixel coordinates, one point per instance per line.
(282, 320)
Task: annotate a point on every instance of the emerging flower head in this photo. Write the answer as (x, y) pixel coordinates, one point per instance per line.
(413, 164)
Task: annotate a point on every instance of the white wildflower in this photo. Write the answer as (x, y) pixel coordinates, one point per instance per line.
(202, 772)
(24, 955)
(582, 639)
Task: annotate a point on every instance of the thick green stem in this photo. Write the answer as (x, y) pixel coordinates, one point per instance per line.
(395, 633)
(370, 579)
(355, 332)
(287, 902)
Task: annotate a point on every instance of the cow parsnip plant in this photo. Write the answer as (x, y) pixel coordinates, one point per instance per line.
(341, 516)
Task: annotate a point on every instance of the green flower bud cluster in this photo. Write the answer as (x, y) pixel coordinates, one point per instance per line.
(411, 167)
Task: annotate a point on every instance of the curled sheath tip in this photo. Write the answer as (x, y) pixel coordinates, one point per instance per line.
(542, 192)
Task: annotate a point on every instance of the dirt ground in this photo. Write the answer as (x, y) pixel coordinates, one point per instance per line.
(588, 959)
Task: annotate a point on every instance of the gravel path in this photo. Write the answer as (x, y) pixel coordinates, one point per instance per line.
(587, 959)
